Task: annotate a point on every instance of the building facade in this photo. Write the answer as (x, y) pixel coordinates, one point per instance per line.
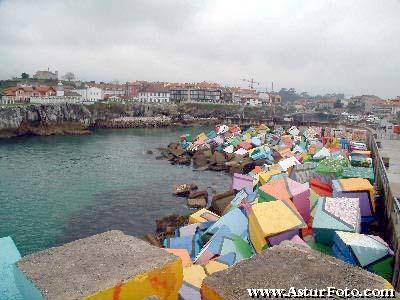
(196, 95)
(275, 99)
(90, 94)
(154, 96)
(179, 95)
(21, 94)
(47, 75)
(205, 95)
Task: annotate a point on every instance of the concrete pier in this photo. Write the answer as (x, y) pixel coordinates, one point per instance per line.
(110, 265)
(391, 150)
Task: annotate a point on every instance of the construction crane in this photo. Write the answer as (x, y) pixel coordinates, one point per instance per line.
(271, 89)
(251, 82)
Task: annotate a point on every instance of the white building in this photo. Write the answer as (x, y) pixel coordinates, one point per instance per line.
(91, 94)
(47, 75)
(60, 90)
(114, 92)
(253, 102)
(154, 96)
(264, 98)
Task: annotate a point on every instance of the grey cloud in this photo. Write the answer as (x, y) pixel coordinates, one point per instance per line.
(318, 46)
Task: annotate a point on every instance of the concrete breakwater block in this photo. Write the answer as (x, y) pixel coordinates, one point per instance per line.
(9, 255)
(109, 265)
(284, 266)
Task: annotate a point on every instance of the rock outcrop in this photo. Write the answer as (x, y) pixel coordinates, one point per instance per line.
(59, 119)
(44, 120)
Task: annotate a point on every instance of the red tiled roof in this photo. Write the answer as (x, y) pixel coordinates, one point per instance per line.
(44, 89)
(11, 91)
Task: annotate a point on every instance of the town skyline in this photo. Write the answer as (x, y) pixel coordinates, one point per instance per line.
(241, 84)
(311, 46)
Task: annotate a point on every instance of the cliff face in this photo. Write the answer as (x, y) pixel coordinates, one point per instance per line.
(77, 118)
(44, 120)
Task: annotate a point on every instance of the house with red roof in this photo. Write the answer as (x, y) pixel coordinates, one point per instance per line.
(23, 94)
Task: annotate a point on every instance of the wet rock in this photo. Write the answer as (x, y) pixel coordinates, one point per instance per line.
(218, 158)
(248, 167)
(200, 160)
(197, 199)
(166, 154)
(169, 223)
(230, 156)
(183, 190)
(221, 201)
(183, 160)
(149, 152)
(207, 153)
(195, 194)
(197, 202)
(176, 149)
(218, 167)
(153, 239)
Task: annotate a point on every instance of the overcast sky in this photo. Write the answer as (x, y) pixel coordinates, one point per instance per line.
(312, 45)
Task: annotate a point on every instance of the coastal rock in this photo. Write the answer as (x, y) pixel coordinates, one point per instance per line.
(221, 201)
(184, 190)
(44, 120)
(200, 159)
(153, 240)
(195, 194)
(169, 223)
(183, 160)
(198, 202)
(218, 158)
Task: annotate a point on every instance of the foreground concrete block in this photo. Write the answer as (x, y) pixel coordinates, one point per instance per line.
(110, 265)
(284, 266)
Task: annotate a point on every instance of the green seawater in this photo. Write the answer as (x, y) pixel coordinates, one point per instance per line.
(57, 189)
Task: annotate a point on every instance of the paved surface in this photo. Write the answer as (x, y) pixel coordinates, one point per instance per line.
(289, 265)
(93, 264)
(391, 149)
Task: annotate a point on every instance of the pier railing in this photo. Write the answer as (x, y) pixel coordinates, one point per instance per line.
(392, 206)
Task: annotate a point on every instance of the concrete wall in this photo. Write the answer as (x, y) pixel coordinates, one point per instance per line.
(55, 100)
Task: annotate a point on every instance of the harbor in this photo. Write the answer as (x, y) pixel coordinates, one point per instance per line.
(199, 150)
(283, 190)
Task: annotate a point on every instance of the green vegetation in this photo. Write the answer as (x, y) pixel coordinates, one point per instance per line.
(290, 95)
(15, 104)
(69, 76)
(354, 108)
(114, 107)
(15, 81)
(211, 106)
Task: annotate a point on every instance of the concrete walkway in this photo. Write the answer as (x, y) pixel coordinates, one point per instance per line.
(391, 149)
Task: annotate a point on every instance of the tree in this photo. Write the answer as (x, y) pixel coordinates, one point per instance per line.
(69, 76)
(305, 95)
(289, 95)
(24, 75)
(338, 104)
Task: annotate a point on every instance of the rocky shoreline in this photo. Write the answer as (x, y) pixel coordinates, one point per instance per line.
(79, 119)
(207, 159)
